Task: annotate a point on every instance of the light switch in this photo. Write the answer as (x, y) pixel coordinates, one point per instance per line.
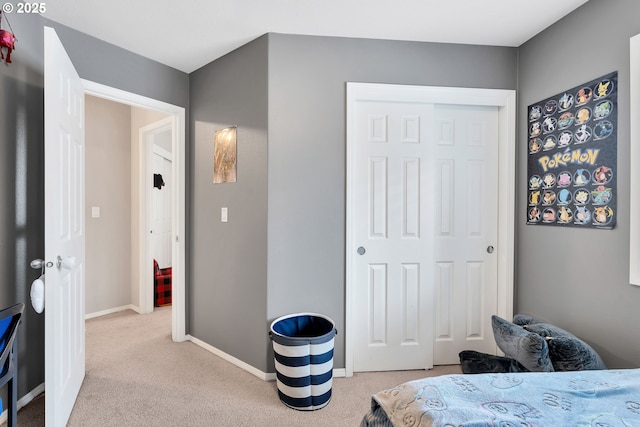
(95, 212)
(224, 215)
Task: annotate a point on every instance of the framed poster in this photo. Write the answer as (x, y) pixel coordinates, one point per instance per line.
(572, 156)
(224, 155)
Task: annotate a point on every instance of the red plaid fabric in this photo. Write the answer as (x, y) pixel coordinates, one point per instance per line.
(162, 285)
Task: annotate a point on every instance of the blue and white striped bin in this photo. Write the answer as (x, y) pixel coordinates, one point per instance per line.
(303, 349)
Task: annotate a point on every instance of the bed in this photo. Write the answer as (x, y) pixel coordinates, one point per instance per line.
(591, 398)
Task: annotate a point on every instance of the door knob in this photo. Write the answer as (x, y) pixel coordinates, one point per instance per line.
(490, 249)
(39, 264)
(361, 250)
(66, 263)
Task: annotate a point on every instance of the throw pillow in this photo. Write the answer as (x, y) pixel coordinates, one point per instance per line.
(473, 362)
(525, 319)
(547, 330)
(528, 348)
(566, 351)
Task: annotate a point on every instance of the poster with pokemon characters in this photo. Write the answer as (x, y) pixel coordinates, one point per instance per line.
(572, 156)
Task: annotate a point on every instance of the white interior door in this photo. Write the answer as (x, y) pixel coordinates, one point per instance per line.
(393, 308)
(64, 231)
(161, 225)
(465, 196)
(429, 187)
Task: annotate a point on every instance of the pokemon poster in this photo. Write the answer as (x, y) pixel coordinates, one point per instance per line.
(572, 157)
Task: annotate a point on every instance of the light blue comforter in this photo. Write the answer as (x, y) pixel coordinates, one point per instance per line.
(582, 398)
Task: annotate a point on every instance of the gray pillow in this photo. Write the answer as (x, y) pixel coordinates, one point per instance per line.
(525, 319)
(528, 348)
(547, 330)
(473, 362)
(566, 351)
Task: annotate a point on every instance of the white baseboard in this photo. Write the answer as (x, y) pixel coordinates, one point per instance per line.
(339, 373)
(24, 401)
(113, 310)
(235, 361)
(264, 376)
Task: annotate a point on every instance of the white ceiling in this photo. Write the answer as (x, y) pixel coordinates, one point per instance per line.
(187, 34)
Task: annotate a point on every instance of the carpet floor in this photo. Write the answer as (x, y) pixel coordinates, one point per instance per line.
(137, 376)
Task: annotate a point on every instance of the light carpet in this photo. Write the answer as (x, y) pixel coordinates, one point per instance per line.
(137, 376)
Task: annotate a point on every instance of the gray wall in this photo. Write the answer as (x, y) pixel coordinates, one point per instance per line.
(264, 264)
(307, 151)
(22, 156)
(575, 278)
(21, 182)
(228, 286)
(113, 66)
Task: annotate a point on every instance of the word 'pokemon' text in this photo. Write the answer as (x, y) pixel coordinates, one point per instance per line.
(562, 159)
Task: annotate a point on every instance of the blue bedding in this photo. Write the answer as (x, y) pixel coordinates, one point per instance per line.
(581, 398)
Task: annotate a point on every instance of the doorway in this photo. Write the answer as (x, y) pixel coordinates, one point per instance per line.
(161, 166)
(406, 324)
(157, 192)
(174, 121)
(126, 147)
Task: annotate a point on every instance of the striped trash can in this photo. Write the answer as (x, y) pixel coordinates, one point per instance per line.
(303, 349)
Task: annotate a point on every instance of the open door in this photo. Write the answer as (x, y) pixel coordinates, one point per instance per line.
(156, 218)
(64, 231)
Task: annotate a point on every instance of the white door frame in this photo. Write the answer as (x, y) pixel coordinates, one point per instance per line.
(145, 181)
(505, 100)
(177, 118)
